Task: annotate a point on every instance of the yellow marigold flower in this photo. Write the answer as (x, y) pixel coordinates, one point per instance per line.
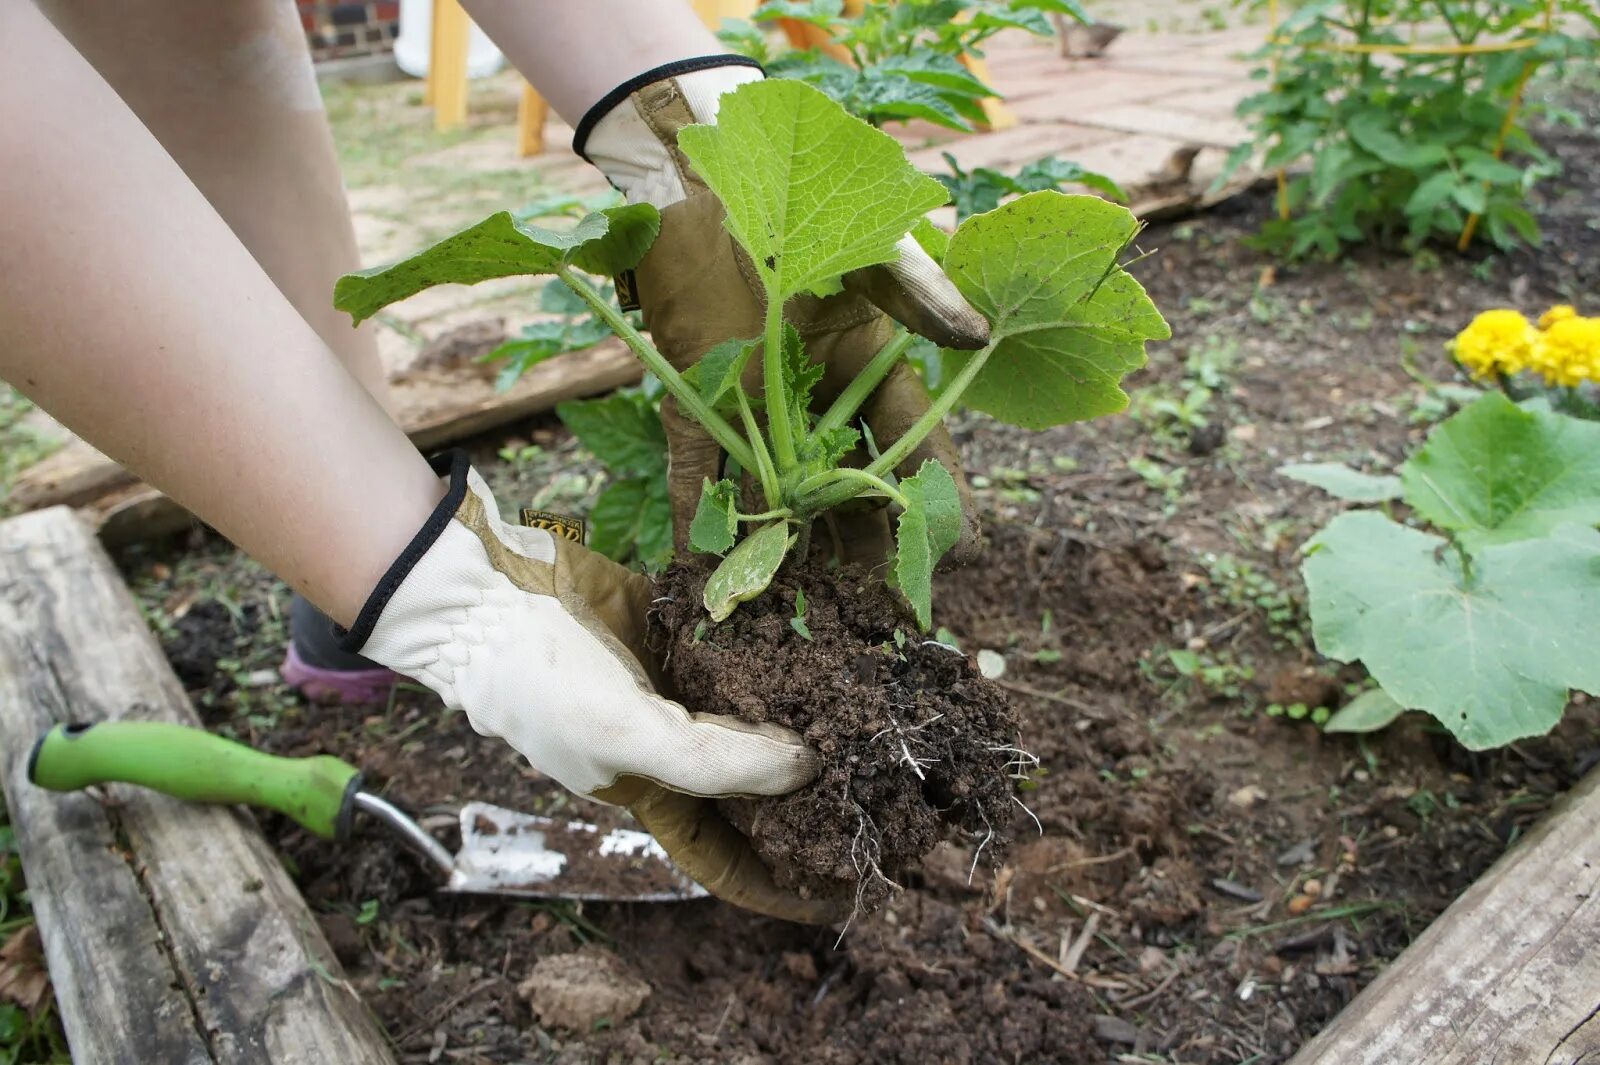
(1559, 313)
(1496, 340)
(1568, 351)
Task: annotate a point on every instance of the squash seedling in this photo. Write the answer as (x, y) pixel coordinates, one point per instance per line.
(1067, 322)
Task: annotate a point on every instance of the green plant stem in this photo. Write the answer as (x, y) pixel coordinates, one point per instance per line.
(656, 363)
(766, 515)
(854, 476)
(765, 471)
(783, 444)
(942, 404)
(857, 391)
(830, 496)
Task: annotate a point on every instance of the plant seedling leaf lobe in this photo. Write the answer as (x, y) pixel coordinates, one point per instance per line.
(604, 242)
(715, 524)
(777, 158)
(1066, 327)
(747, 570)
(928, 527)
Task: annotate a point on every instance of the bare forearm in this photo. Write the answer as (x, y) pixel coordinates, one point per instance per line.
(131, 312)
(575, 53)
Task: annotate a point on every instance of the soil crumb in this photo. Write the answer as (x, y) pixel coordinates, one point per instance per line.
(580, 990)
(914, 741)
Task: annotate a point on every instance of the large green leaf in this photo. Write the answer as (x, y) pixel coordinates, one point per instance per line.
(811, 192)
(1069, 321)
(1492, 654)
(605, 242)
(622, 429)
(747, 570)
(1495, 472)
(928, 527)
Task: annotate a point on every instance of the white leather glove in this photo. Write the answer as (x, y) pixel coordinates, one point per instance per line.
(541, 643)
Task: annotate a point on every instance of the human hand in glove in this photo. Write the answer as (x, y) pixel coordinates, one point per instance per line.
(541, 642)
(696, 289)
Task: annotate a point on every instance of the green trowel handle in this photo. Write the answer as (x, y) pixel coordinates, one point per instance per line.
(190, 764)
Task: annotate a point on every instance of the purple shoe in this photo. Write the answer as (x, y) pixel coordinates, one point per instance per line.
(318, 668)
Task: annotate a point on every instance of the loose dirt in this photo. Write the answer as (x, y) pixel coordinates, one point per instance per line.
(915, 743)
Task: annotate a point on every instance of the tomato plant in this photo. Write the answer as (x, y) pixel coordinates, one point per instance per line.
(1405, 117)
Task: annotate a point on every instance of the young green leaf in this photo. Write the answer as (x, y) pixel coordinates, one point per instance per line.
(1068, 322)
(1341, 482)
(934, 240)
(623, 430)
(1492, 656)
(800, 377)
(715, 524)
(718, 370)
(810, 192)
(1368, 712)
(606, 242)
(747, 570)
(928, 527)
(1494, 472)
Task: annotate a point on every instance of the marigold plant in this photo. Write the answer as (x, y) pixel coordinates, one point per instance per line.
(1563, 349)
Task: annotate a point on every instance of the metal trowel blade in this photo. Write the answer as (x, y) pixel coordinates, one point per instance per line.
(504, 852)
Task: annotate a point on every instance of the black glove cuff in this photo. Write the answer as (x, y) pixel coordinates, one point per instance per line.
(676, 68)
(453, 464)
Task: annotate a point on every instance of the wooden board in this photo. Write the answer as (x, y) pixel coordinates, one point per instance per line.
(437, 406)
(1510, 973)
(171, 931)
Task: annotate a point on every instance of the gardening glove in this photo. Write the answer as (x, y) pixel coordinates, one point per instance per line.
(697, 288)
(542, 643)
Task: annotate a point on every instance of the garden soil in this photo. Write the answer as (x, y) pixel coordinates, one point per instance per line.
(915, 743)
(1208, 883)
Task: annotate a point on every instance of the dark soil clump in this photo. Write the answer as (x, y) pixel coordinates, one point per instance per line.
(914, 741)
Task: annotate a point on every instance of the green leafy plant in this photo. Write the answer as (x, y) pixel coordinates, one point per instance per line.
(632, 518)
(1410, 116)
(1488, 622)
(982, 188)
(905, 57)
(1067, 321)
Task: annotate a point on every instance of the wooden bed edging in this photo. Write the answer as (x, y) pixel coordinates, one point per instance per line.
(1508, 975)
(172, 933)
(435, 405)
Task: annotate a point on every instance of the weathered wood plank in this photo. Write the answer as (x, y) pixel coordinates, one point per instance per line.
(435, 405)
(1510, 973)
(171, 931)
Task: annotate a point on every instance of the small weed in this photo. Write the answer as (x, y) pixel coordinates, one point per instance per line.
(1237, 585)
(1184, 672)
(1168, 480)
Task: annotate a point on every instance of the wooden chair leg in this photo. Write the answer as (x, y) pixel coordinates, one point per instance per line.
(447, 66)
(532, 110)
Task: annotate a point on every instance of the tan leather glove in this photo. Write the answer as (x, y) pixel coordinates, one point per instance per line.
(697, 289)
(541, 642)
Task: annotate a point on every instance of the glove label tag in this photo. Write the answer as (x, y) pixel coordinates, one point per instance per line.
(568, 528)
(627, 290)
